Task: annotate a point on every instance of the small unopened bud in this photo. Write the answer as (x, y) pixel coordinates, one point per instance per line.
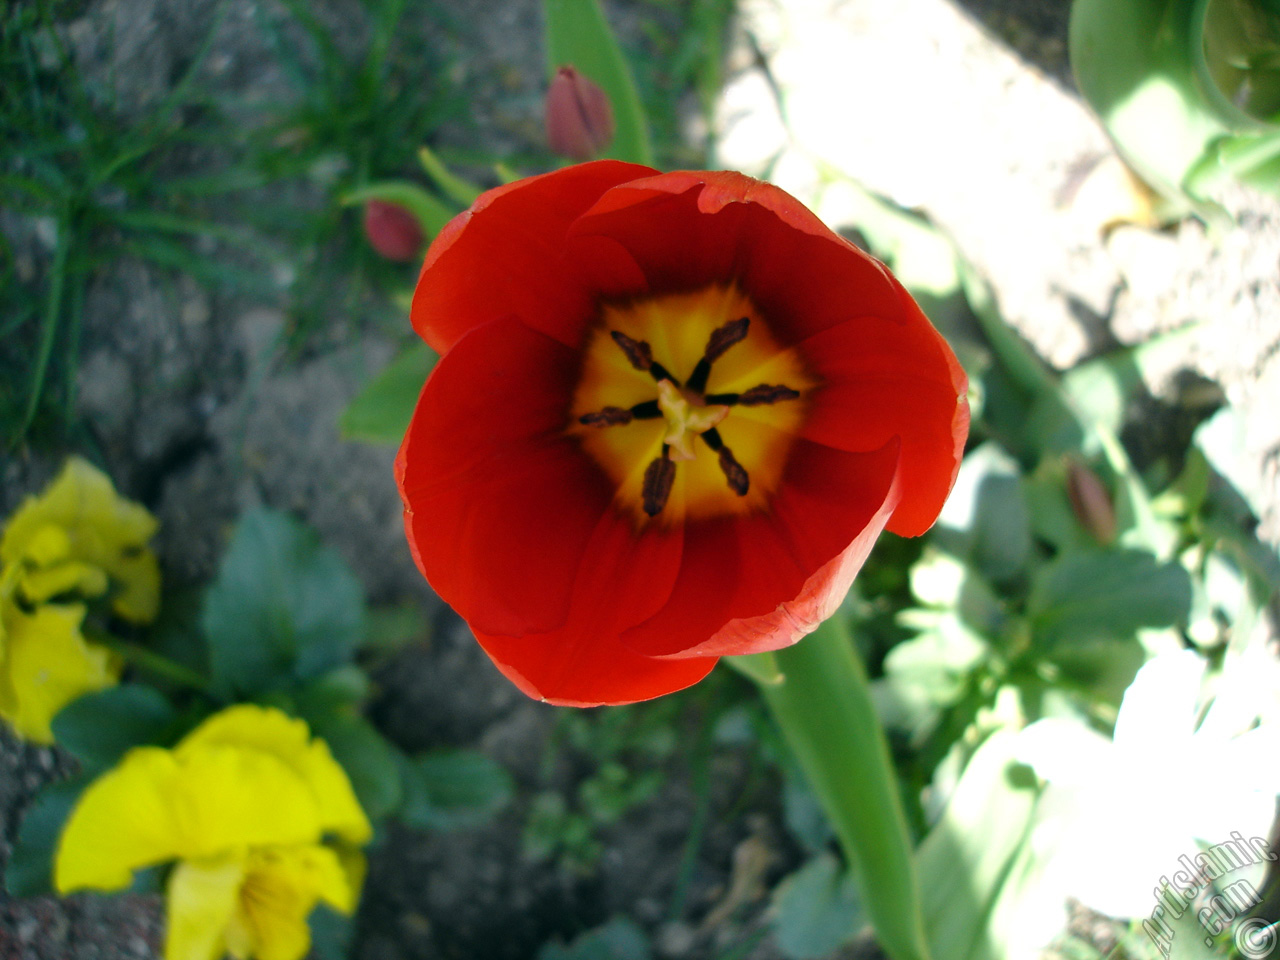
(579, 117)
(1091, 502)
(393, 231)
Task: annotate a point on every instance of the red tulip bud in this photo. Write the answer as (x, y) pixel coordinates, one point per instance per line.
(579, 117)
(393, 231)
(1091, 502)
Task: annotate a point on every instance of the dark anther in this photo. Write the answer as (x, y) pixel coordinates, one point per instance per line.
(637, 351)
(608, 417)
(640, 356)
(658, 479)
(722, 338)
(754, 397)
(725, 336)
(734, 472)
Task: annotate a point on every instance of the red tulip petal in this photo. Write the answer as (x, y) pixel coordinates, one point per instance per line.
(572, 671)
(505, 257)
(687, 230)
(883, 380)
(625, 577)
(500, 505)
(761, 581)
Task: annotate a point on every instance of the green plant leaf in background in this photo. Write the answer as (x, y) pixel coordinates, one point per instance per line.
(369, 760)
(98, 728)
(986, 518)
(450, 789)
(1106, 596)
(619, 939)
(460, 191)
(1144, 66)
(381, 412)
(966, 859)
(816, 909)
(282, 608)
(578, 35)
(30, 866)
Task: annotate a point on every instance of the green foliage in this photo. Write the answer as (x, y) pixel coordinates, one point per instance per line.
(452, 789)
(29, 872)
(967, 862)
(101, 181)
(1186, 88)
(1106, 596)
(381, 412)
(98, 728)
(816, 909)
(282, 607)
(369, 760)
(619, 939)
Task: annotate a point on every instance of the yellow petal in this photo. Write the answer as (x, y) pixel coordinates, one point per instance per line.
(160, 805)
(101, 529)
(356, 868)
(289, 740)
(229, 797)
(44, 583)
(124, 820)
(203, 897)
(46, 665)
(282, 886)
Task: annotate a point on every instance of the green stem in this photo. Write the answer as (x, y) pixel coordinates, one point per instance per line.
(155, 663)
(822, 702)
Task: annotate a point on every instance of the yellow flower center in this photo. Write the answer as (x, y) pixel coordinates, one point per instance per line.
(695, 380)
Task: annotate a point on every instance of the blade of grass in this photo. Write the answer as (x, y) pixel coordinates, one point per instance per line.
(53, 308)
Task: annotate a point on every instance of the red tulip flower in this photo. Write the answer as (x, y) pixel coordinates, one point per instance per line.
(671, 416)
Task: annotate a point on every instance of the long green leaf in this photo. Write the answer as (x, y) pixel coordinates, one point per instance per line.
(823, 706)
(579, 36)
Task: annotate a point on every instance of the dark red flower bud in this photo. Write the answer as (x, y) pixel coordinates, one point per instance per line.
(579, 117)
(393, 231)
(1091, 502)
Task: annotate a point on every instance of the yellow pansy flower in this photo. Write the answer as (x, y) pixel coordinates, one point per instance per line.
(262, 821)
(81, 537)
(45, 663)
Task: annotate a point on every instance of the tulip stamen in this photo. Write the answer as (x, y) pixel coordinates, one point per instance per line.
(640, 355)
(757, 396)
(659, 478)
(722, 338)
(734, 472)
(608, 417)
(618, 417)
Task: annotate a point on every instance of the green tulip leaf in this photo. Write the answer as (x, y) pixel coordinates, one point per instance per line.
(381, 412)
